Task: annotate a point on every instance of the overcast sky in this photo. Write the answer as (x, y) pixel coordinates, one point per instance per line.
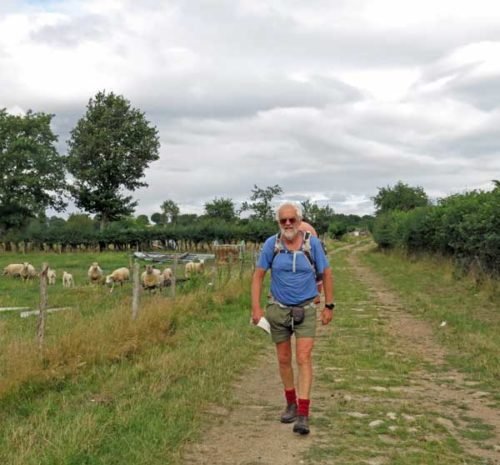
(329, 99)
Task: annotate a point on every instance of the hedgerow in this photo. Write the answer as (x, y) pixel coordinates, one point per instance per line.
(464, 226)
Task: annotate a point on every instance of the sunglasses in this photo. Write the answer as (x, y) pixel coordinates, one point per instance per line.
(284, 221)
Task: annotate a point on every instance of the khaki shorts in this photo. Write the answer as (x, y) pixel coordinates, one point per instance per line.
(281, 323)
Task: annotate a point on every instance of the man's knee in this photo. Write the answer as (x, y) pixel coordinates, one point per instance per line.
(304, 358)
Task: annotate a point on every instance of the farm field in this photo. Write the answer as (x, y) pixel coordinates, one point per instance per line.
(392, 385)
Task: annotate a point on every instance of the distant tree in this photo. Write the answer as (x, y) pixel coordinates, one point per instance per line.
(320, 217)
(157, 218)
(142, 220)
(222, 209)
(400, 197)
(306, 209)
(32, 174)
(187, 219)
(80, 222)
(109, 149)
(170, 211)
(337, 229)
(261, 202)
(56, 222)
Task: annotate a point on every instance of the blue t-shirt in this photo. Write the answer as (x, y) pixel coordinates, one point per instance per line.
(293, 277)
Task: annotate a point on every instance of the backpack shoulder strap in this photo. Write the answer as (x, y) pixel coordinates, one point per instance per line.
(306, 248)
(278, 246)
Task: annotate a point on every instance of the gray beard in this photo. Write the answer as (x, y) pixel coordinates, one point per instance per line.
(289, 234)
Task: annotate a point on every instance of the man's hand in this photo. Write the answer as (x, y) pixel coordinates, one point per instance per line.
(326, 316)
(257, 314)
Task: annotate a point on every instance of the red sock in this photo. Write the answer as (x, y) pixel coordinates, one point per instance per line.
(291, 396)
(303, 409)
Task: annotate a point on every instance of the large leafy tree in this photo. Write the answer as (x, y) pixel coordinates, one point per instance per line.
(400, 197)
(222, 209)
(32, 172)
(261, 202)
(109, 149)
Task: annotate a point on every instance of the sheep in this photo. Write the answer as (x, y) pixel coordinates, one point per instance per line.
(14, 270)
(152, 278)
(168, 276)
(51, 276)
(28, 271)
(194, 268)
(118, 276)
(67, 279)
(95, 273)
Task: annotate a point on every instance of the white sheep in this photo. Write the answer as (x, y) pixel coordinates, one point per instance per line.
(168, 276)
(67, 279)
(120, 275)
(194, 268)
(14, 270)
(95, 274)
(28, 271)
(152, 278)
(51, 276)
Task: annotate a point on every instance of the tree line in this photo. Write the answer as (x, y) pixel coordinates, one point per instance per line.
(108, 151)
(463, 226)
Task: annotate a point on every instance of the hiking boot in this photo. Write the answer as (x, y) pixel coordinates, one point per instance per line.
(290, 414)
(301, 425)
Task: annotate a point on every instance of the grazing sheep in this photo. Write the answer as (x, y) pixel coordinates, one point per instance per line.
(152, 278)
(95, 274)
(14, 270)
(28, 271)
(120, 275)
(67, 279)
(168, 275)
(51, 276)
(194, 268)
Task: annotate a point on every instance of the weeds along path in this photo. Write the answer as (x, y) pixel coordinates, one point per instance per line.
(437, 390)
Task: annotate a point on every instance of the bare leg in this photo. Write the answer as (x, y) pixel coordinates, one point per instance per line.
(284, 353)
(304, 361)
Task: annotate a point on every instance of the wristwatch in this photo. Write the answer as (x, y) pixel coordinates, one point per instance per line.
(330, 306)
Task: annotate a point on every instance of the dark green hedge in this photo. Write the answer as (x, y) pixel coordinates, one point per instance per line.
(465, 226)
(196, 233)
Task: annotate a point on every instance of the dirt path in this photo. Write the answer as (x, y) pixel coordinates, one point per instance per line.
(250, 434)
(435, 391)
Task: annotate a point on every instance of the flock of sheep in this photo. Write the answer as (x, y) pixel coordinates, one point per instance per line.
(151, 278)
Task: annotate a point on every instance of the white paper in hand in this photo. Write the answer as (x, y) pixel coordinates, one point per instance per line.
(263, 324)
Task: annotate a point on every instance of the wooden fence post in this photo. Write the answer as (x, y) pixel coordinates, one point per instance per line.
(174, 277)
(40, 326)
(135, 291)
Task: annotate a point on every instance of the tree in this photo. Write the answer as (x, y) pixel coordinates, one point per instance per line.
(80, 222)
(261, 202)
(142, 220)
(321, 217)
(157, 218)
(170, 211)
(400, 197)
(222, 209)
(32, 172)
(109, 149)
